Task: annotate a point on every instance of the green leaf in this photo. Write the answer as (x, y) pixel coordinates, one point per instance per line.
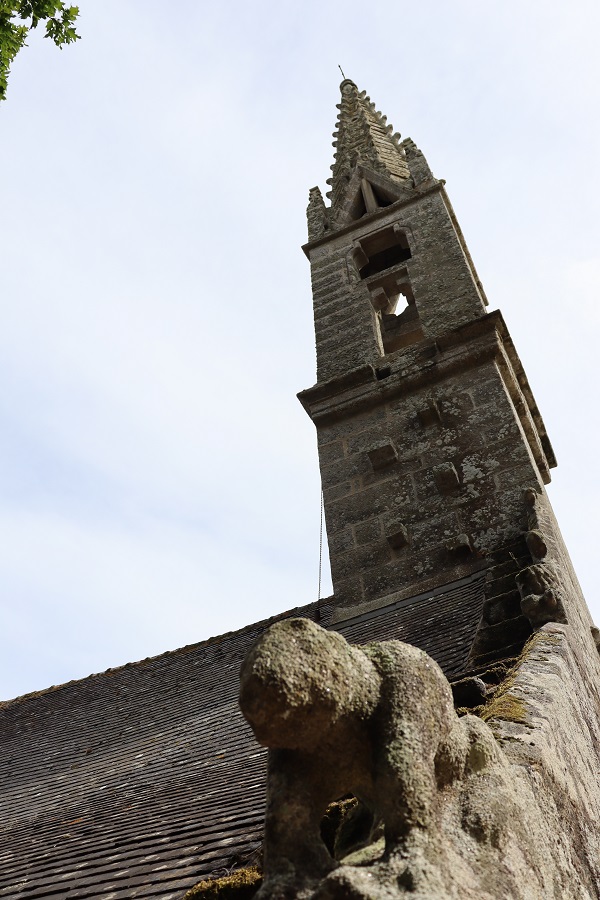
(60, 21)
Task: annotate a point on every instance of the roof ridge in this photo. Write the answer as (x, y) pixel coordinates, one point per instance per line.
(187, 648)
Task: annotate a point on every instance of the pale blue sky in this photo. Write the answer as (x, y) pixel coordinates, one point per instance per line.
(158, 478)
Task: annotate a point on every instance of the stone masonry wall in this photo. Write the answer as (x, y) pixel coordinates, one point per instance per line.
(441, 276)
(420, 487)
(345, 331)
(548, 724)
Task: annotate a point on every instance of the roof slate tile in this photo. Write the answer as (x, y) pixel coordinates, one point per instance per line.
(142, 780)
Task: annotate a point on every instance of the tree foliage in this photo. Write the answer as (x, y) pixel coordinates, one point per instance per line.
(18, 17)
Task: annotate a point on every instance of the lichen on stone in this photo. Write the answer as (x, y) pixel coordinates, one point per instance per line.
(376, 722)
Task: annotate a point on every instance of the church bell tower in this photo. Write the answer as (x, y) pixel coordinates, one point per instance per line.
(433, 454)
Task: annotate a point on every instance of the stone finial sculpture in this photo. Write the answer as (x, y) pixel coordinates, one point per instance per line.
(377, 721)
(316, 215)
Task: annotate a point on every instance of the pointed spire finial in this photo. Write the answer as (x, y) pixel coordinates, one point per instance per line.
(348, 85)
(363, 137)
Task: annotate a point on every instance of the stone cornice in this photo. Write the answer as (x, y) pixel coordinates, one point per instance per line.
(431, 362)
(380, 214)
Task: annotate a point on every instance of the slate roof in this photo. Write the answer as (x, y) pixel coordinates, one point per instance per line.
(140, 781)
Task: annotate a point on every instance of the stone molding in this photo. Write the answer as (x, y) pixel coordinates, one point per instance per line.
(466, 347)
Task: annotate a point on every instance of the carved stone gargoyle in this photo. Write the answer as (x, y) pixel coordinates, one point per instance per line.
(376, 721)
(539, 584)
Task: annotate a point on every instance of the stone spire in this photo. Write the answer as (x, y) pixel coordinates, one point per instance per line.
(429, 436)
(363, 137)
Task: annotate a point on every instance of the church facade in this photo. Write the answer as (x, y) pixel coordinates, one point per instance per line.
(142, 781)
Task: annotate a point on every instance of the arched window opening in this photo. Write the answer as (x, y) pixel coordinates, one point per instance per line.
(378, 252)
(397, 314)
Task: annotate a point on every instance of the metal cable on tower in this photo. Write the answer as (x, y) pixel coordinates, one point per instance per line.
(320, 546)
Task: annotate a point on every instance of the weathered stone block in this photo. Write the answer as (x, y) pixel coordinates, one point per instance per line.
(434, 530)
(429, 414)
(330, 452)
(382, 455)
(337, 491)
(397, 536)
(403, 467)
(339, 541)
(367, 532)
(456, 402)
(370, 503)
(346, 469)
(460, 546)
(362, 559)
(349, 590)
(446, 477)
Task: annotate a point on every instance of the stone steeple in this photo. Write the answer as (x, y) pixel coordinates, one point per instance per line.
(433, 453)
(370, 168)
(363, 137)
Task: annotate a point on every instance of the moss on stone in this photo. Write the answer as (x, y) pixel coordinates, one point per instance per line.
(507, 707)
(505, 704)
(240, 885)
(497, 673)
(469, 710)
(335, 814)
